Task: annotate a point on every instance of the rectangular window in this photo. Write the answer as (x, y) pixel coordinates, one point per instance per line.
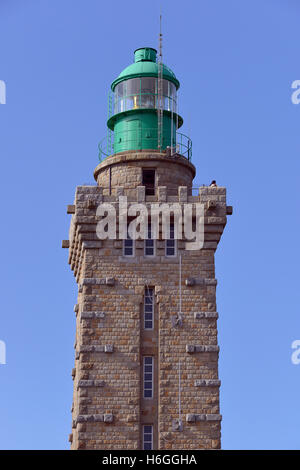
(147, 437)
(149, 242)
(149, 182)
(128, 246)
(148, 308)
(148, 376)
(171, 242)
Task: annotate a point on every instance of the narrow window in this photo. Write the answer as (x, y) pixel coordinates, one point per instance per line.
(147, 437)
(128, 246)
(149, 242)
(171, 242)
(148, 376)
(149, 308)
(149, 182)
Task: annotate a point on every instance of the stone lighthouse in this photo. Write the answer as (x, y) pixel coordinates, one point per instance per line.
(146, 347)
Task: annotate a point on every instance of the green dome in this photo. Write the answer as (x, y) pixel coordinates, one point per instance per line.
(145, 67)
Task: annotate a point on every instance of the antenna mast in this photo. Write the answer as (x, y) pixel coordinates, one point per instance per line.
(160, 93)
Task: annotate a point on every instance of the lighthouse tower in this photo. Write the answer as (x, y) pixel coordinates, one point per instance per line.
(146, 348)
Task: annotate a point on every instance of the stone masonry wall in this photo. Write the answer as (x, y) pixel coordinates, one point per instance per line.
(108, 410)
(126, 170)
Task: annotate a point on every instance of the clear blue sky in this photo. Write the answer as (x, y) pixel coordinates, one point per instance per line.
(236, 61)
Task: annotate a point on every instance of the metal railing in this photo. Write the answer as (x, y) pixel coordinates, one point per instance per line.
(141, 139)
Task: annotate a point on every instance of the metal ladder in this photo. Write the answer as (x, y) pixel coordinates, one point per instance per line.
(110, 144)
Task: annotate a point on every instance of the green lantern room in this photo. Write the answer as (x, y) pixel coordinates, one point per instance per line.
(139, 94)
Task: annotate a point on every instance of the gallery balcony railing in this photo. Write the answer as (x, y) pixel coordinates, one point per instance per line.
(141, 139)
